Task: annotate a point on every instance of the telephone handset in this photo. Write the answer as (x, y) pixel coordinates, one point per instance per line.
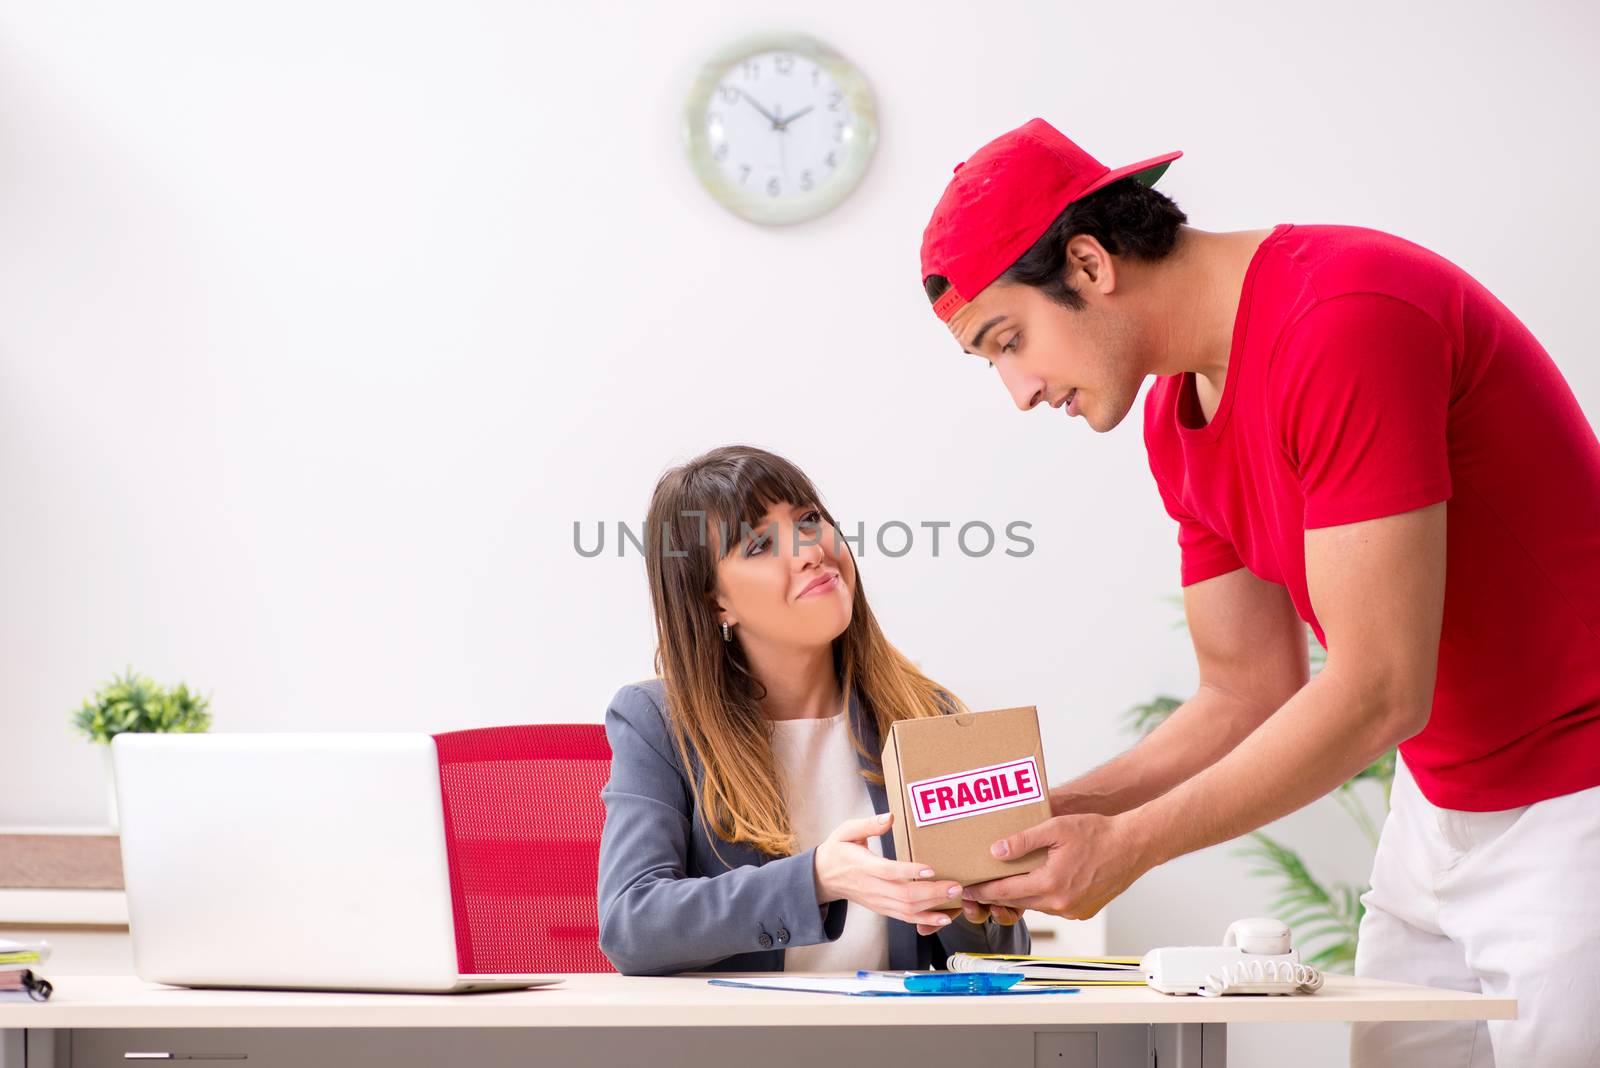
(1255, 958)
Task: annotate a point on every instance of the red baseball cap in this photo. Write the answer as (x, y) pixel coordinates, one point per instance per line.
(1004, 198)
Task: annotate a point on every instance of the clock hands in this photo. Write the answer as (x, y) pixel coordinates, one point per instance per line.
(783, 124)
(770, 117)
(777, 124)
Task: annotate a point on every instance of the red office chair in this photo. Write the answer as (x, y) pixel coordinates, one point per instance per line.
(522, 819)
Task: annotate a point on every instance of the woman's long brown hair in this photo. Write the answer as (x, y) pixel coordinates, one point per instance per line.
(696, 516)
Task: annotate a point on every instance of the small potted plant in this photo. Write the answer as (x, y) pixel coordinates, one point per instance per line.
(131, 702)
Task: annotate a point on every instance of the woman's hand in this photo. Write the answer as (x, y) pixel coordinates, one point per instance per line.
(846, 869)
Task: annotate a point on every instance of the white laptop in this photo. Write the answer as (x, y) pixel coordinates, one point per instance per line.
(290, 861)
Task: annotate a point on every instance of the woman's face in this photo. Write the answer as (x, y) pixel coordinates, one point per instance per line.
(788, 580)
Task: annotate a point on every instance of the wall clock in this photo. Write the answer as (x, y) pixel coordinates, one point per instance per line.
(780, 128)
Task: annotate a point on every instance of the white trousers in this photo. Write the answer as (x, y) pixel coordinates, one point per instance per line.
(1505, 903)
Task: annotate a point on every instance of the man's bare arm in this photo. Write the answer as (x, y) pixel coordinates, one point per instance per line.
(1251, 649)
(1378, 590)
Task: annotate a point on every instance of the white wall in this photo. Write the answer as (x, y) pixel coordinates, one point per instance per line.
(323, 323)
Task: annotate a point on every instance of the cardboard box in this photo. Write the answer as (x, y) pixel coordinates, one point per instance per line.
(956, 784)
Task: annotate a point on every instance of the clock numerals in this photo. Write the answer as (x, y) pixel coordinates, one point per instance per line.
(779, 133)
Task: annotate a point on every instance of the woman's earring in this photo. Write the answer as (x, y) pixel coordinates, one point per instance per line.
(727, 631)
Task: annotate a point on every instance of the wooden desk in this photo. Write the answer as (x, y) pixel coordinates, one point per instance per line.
(94, 1021)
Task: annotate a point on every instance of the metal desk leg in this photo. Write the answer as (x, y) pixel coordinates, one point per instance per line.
(12, 1048)
(28, 1048)
(1188, 1045)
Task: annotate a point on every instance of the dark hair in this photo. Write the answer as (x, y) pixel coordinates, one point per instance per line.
(1128, 217)
(713, 697)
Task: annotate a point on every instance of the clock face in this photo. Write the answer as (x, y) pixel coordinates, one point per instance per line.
(780, 131)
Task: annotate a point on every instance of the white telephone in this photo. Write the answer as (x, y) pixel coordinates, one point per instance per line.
(1255, 958)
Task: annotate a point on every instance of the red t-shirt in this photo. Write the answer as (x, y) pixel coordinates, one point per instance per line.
(1368, 377)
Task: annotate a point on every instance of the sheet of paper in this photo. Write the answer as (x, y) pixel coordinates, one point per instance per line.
(874, 986)
(821, 984)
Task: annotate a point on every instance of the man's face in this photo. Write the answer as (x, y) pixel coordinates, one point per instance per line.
(1044, 351)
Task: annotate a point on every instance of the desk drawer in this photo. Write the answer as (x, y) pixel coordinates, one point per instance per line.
(1122, 1046)
(224, 1046)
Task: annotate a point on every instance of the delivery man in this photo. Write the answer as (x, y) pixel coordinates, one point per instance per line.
(1350, 431)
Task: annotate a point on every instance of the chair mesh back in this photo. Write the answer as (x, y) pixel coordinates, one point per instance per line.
(522, 819)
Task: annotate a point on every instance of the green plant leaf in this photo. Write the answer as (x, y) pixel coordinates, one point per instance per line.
(132, 702)
(1324, 920)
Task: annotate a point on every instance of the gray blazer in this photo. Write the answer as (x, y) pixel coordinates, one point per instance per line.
(670, 903)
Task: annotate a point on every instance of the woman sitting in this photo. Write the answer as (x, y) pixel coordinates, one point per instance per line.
(747, 827)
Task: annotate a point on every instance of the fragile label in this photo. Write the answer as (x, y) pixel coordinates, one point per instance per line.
(972, 793)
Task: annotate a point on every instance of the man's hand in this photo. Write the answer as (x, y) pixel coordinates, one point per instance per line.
(1089, 859)
(977, 913)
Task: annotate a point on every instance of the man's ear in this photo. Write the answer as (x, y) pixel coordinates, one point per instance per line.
(1086, 255)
